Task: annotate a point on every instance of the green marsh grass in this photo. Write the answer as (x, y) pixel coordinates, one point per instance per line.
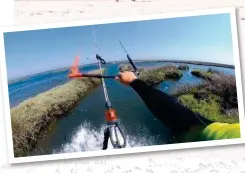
(215, 99)
(155, 75)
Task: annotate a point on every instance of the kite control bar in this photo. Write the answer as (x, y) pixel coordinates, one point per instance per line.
(91, 75)
(76, 74)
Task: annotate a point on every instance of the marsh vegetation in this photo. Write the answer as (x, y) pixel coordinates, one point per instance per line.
(31, 116)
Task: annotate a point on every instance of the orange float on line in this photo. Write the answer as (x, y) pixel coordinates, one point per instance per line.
(110, 115)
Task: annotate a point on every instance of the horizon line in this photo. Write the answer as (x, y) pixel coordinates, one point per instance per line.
(11, 81)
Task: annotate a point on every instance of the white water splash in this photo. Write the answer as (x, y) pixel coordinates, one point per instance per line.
(87, 138)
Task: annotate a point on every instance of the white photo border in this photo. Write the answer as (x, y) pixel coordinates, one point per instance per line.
(4, 82)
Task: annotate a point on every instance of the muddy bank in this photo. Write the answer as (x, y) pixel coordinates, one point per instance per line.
(31, 116)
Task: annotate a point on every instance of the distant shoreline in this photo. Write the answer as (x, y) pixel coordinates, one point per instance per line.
(185, 62)
(49, 71)
(125, 61)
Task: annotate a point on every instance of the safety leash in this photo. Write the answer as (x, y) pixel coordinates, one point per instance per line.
(113, 130)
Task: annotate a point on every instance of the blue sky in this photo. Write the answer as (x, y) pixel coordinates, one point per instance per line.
(200, 38)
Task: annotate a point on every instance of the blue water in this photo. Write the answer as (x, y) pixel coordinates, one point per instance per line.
(82, 129)
(31, 86)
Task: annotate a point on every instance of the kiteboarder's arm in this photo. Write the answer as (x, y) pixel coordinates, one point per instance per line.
(168, 110)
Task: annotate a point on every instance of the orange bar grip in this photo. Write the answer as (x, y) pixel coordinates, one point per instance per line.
(75, 75)
(74, 71)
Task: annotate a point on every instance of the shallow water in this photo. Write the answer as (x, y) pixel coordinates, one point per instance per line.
(82, 129)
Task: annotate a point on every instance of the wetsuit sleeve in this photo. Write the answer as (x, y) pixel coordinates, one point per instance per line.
(168, 110)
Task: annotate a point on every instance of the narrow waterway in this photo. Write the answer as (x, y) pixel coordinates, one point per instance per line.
(82, 129)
